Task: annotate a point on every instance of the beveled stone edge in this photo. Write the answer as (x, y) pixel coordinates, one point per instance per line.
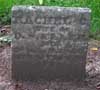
(75, 9)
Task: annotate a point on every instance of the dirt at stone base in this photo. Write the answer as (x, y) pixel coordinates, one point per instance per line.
(90, 83)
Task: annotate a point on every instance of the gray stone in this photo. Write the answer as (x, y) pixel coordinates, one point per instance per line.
(50, 42)
(3, 85)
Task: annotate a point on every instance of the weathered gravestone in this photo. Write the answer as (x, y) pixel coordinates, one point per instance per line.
(50, 42)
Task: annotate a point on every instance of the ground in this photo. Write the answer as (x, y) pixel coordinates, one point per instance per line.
(91, 82)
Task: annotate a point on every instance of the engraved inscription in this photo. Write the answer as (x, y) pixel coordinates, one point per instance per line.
(50, 42)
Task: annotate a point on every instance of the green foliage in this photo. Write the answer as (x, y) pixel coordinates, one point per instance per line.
(5, 15)
(40, 2)
(94, 5)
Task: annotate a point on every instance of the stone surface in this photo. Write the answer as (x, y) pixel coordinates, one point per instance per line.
(3, 85)
(50, 42)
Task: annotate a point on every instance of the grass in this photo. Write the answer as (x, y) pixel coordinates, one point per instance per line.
(94, 5)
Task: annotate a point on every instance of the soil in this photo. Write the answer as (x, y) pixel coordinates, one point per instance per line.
(91, 82)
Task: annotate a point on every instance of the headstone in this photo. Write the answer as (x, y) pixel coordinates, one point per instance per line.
(50, 42)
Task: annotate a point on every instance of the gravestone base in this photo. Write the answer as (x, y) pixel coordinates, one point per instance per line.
(48, 70)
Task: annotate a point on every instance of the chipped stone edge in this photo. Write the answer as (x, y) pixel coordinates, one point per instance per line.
(75, 9)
